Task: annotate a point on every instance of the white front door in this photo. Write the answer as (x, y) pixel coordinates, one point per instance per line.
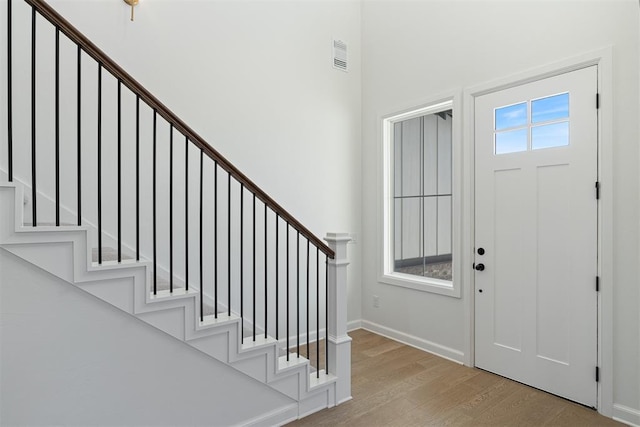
(536, 234)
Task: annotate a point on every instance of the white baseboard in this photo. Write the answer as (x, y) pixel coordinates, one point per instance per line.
(413, 341)
(626, 415)
(354, 324)
(276, 417)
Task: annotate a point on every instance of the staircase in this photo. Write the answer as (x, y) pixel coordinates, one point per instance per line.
(146, 216)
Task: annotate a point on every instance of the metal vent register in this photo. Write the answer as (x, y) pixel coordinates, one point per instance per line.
(340, 55)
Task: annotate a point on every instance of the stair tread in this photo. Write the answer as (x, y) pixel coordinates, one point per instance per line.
(211, 320)
(294, 361)
(322, 379)
(108, 254)
(163, 284)
(260, 341)
(53, 224)
(177, 293)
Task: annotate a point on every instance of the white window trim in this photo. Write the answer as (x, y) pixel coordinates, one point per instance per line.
(447, 101)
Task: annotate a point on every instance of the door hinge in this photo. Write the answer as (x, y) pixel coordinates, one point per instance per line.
(597, 374)
(597, 100)
(597, 190)
(597, 283)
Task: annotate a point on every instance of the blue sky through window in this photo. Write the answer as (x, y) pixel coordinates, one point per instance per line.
(550, 108)
(511, 116)
(511, 141)
(512, 125)
(552, 135)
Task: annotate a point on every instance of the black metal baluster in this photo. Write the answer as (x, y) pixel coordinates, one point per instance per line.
(254, 268)
(137, 177)
(298, 295)
(9, 94)
(99, 163)
(200, 229)
(155, 246)
(119, 171)
(308, 299)
(287, 292)
(78, 132)
(215, 239)
(266, 317)
(33, 118)
(317, 312)
(186, 213)
(241, 263)
(277, 258)
(170, 208)
(326, 314)
(229, 244)
(57, 125)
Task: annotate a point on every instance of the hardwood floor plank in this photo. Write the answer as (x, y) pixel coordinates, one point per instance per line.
(576, 415)
(486, 398)
(390, 413)
(397, 385)
(382, 348)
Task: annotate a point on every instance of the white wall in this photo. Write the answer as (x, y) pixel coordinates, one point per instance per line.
(413, 51)
(123, 373)
(254, 78)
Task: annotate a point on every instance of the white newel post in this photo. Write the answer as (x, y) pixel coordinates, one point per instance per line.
(339, 343)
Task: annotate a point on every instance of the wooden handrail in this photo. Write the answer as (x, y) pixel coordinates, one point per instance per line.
(110, 65)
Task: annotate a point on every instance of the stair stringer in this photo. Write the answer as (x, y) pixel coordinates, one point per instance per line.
(127, 286)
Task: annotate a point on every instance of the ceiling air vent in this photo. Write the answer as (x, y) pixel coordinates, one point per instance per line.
(340, 55)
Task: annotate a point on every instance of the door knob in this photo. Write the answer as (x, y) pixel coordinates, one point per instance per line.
(480, 267)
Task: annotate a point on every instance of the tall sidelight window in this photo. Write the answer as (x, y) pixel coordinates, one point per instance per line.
(421, 177)
(422, 196)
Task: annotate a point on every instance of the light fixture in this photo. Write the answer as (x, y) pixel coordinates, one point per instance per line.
(132, 3)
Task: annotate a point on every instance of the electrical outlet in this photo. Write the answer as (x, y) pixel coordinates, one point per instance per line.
(376, 301)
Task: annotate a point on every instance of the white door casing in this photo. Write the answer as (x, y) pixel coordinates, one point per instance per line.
(536, 219)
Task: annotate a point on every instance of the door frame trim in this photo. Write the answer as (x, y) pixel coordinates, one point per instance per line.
(602, 58)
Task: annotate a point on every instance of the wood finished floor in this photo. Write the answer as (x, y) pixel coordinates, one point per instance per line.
(397, 385)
